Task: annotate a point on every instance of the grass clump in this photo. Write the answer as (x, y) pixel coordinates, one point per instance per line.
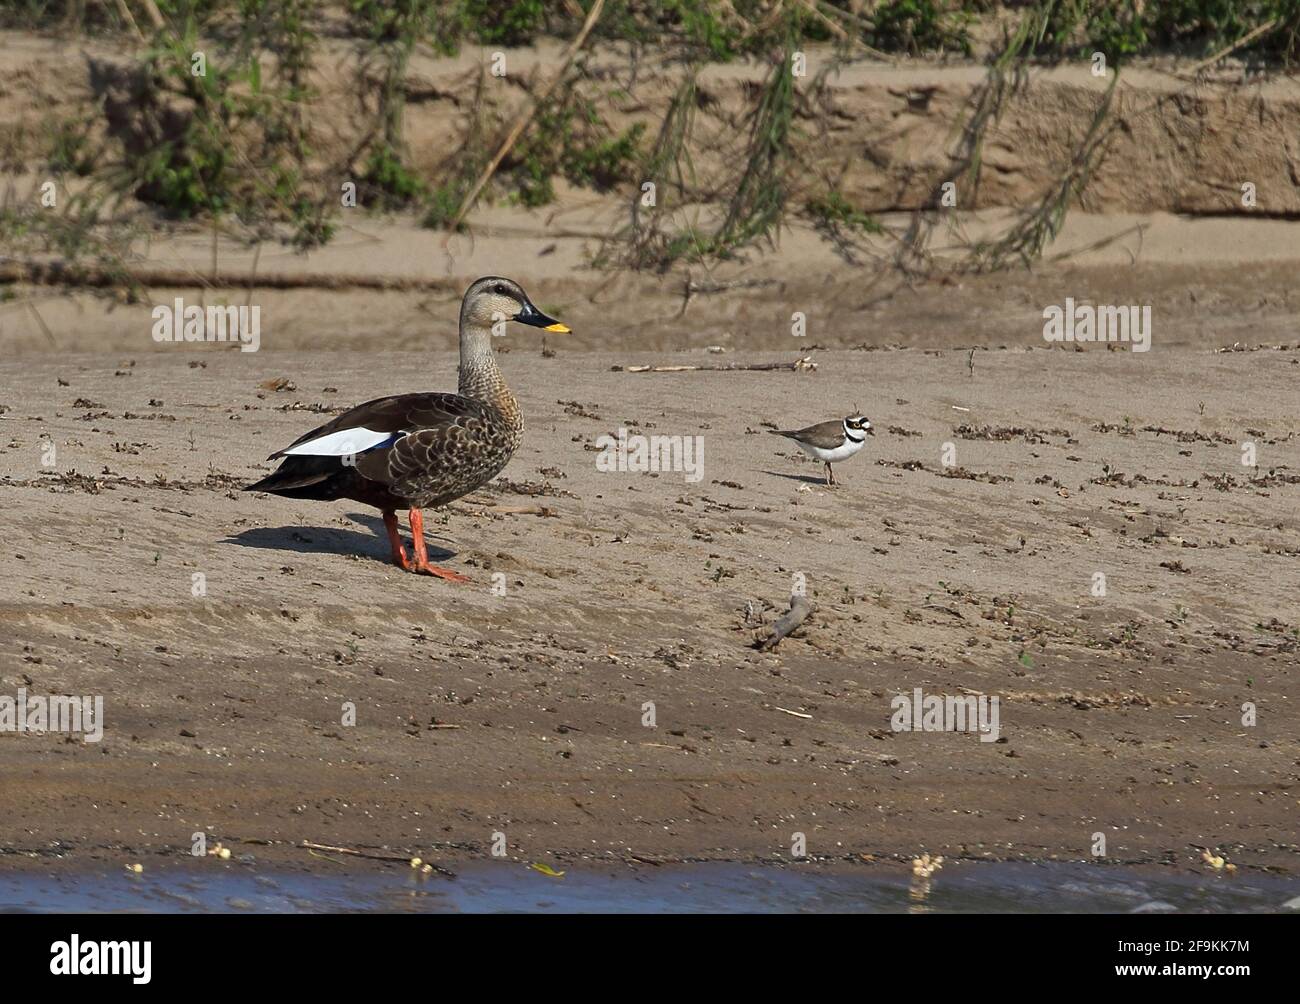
(188, 170)
(917, 26)
(1125, 28)
(222, 131)
(392, 31)
(73, 149)
(835, 213)
(758, 203)
(571, 139)
(509, 23)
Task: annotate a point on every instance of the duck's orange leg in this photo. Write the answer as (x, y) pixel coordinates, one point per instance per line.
(395, 541)
(422, 556)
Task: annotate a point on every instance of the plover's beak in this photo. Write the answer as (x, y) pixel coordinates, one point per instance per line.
(871, 430)
(531, 315)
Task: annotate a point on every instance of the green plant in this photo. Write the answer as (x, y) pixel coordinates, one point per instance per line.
(570, 138)
(504, 22)
(437, 24)
(758, 202)
(1080, 27)
(441, 205)
(386, 182)
(841, 223)
(71, 147)
(78, 231)
(190, 172)
(462, 168)
(223, 130)
(643, 243)
(607, 161)
(284, 29)
(834, 212)
(1036, 228)
(1211, 25)
(1125, 28)
(703, 27)
(917, 26)
(393, 29)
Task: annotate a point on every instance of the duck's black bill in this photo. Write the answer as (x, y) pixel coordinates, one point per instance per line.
(531, 315)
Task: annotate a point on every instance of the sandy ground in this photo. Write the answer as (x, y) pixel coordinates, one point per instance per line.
(521, 713)
(516, 705)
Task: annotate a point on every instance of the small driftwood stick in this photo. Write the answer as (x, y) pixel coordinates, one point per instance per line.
(800, 608)
(801, 365)
(508, 510)
(308, 845)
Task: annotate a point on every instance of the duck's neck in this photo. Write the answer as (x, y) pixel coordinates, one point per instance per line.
(481, 379)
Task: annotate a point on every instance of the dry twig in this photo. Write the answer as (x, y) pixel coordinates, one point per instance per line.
(308, 845)
(802, 365)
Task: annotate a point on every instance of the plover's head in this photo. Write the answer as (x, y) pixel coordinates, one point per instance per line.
(856, 425)
(492, 299)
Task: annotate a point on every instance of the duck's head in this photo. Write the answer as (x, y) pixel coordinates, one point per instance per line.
(493, 300)
(857, 425)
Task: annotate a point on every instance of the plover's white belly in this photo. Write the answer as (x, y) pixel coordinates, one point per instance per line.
(831, 456)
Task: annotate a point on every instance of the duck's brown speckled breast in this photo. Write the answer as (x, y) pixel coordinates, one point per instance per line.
(458, 464)
(463, 468)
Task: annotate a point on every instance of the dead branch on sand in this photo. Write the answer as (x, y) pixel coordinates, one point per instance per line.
(308, 845)
(804, 364)
(484, 509)
(800, 609)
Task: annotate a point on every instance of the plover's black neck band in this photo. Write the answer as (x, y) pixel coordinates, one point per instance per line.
(851, 439)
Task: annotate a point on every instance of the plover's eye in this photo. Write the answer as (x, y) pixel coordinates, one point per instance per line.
(500, 290)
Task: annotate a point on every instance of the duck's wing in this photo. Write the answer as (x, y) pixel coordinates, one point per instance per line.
(385, 421)
(412, 446)
(458, 445)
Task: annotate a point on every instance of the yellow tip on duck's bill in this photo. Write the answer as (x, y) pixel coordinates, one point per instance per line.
(558, 328)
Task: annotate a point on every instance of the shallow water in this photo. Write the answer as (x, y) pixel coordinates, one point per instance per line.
(696, 888)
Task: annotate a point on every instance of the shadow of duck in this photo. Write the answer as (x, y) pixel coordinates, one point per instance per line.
(369, 542)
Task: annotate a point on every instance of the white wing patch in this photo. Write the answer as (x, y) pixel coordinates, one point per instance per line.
(343, 443)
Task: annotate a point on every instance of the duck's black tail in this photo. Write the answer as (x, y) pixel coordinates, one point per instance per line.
(319, 478)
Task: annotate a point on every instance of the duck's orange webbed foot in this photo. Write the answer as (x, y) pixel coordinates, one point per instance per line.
(421, 563)
(441, 573)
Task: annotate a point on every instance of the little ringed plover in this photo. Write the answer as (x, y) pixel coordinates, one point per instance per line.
(831, 442)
